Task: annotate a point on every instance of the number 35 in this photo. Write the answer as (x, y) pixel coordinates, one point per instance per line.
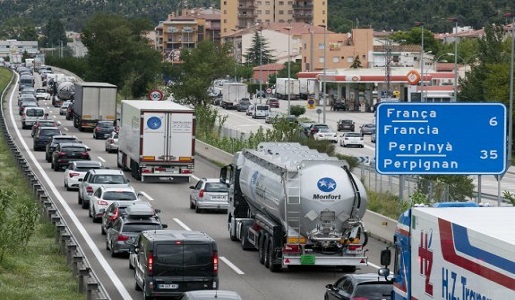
(492, 154)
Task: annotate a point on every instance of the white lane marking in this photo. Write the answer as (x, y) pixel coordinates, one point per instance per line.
(55, 117)
(195, 177)
(146, 196)
(101, 159)
(231, 265)
(96, 252)
(374, 265)
(66, 129)
(184, 226)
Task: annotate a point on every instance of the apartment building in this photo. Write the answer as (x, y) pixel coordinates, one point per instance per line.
(185, 29)
(241, 14)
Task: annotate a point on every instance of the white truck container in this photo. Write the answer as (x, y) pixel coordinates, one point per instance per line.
(156, 141)
(93, 102)
(454, 253)
(307, 88)
(296, 206)
(29, 63)
(232, 93)
(281, 88)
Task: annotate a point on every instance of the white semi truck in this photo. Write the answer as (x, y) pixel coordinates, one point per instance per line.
(296, 206)
(465, 252)
(232, 93)
(93, 102)
(281, 88)
(307, 88)
(157, 140)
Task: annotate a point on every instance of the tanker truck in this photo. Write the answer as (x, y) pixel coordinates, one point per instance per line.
(64, 90)
(296, 206)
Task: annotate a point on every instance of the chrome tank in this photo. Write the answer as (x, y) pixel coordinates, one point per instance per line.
(329, 203)
(65, 90)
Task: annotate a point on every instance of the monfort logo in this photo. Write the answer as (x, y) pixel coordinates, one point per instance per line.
(327, 197)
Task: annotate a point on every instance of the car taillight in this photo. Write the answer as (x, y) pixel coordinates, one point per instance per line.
(150, 263)
(115, 215)
(61, 153)
(89, 190)
(103, 203)
(123, 237)
(73, 174)
(355, 247)
(201, 193)
(111, 141)
(97, 129)
(84, 154)
(215, 262)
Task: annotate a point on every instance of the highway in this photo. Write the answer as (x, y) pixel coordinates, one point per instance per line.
(240, 270)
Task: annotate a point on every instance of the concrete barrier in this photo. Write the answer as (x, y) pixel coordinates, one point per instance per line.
(378, 226)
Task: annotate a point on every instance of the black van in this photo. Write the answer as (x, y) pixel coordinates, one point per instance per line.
(170, 262)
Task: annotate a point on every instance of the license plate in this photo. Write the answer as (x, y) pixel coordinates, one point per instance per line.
(172, 286)
(307, 259)
(219, 197)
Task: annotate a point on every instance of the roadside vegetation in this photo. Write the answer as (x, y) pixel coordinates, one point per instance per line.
(31, 266)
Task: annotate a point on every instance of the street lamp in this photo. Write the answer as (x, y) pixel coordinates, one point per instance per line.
(421, 62)
(324, 83)
(289, 76)
(455, 20)
(260, 64)
(510, 120)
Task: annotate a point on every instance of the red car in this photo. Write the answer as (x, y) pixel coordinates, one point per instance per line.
(44, 123)
(273, 103)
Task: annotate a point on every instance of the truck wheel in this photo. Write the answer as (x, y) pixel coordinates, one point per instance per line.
(232, 230)
(79, 199)
(273, 267)
(262, 243)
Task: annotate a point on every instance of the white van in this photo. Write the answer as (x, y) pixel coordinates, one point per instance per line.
(30, 115)
(260, 111)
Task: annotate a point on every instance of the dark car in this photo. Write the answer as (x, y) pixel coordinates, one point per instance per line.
(126, 228)
(304, 128)
(116, 210)
(103, 130)
(273, 103)
(43, 136)
(345, 125)
(368, 128)
(69, 112)
(50, 147)
(359, 286)
(66, 152)
(243, 104)
(339, 105)
(43, 123)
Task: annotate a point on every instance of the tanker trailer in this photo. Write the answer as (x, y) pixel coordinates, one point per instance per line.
(296, 206)
(64, 91)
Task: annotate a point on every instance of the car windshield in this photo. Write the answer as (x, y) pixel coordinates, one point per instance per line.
(139, 227)
(325, 130)
(48, 123)
(35, 112)
(216, 187)
(48, 132)
(346, 121)
(105, 125)
(369, 125)
(374, 290)
(73, 149)
(40, 91)
(86, 168)
(110, 179)
(353, 134)
(120, 195)
(261, 107)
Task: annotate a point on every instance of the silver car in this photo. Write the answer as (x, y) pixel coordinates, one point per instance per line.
(209, 194)
(104, 196)
(96, 178)
(76, 171)
(111, 143)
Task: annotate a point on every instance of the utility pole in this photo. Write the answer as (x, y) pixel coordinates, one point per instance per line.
(387, 68)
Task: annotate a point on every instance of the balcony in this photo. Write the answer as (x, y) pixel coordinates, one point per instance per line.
(303, 7)
(246, 16)
(301, 15)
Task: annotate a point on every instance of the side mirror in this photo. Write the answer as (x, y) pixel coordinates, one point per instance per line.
(132, 249)
(81, 179)
(329, 286)
(157, 210)
(164, 226)
(386, 257)
(192, 187)
(58, 123)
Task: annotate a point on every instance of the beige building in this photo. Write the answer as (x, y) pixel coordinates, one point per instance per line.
(185, 30)
(240, 14)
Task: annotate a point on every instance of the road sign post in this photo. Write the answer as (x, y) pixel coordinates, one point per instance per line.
(441, 138)
(155, 95)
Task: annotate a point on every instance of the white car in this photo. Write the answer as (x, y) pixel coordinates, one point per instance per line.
(77, 170)
(352, 139)
(42, 94)
(326, 134)
(111, 143)
(104, 196)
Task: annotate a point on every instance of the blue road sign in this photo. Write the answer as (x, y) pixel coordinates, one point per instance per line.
(441, 138)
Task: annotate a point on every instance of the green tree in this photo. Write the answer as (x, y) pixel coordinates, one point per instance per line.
(259, 51)
(297, 110)
(200, 67)
(295, 67)
(119, 53)
(53, 34)
(19, 28)
(356, 64)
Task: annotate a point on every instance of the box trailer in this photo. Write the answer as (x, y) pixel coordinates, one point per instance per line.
(93, 102)
(156, 141)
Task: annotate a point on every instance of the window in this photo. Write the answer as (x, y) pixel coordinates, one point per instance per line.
(350, 59)
(267, 2)
(225, 12)
(321, 59)
(267, 12)
(225, 2)
(321, 46)
(258, 12)
(281, 2)
(336, 59)
(281, 12)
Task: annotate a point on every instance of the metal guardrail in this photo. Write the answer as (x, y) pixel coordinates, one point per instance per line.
(75, 258)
